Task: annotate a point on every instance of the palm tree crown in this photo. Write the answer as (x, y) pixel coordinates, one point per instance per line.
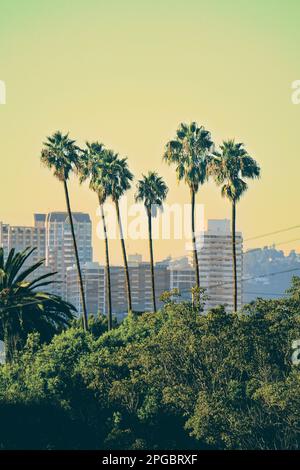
(60, 154)
(115, 175)
(230, 166)
(152, 191)
(88, 168)
(188, 151)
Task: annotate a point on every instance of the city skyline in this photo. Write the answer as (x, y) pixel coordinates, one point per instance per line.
(159, 258)
(51, 237)
(173, 271)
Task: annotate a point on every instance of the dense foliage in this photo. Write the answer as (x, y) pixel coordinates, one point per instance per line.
(174, 379)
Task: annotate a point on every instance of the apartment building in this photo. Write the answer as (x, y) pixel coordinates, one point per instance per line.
(214, 248)
(140, 283)
(22, 237)
(59, 244)
(93, 276)
(183, 279)
(51, 236)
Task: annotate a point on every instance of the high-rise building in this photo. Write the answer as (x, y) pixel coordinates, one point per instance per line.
(93, 276)
(141, 286)
(51, 237)
(214, 248)
(216, 266)
(22, 237)
(39, 220)
(59, 244)
(183, 279)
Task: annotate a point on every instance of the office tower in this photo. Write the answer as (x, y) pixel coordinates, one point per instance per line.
(22, 237)
(141, 286)
(40, 220)
(51, 236)
(93, 276)
(183, 279)
(216, 266)
(59, 244)
(162, 283)
(118, 291)
(141, 291)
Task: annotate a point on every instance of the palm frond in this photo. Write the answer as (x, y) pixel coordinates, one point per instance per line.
(152, 191)
(189, 152)
(229, 166)
(22, 307)
(61, 154)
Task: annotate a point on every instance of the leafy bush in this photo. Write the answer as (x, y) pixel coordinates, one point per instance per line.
(175, 379)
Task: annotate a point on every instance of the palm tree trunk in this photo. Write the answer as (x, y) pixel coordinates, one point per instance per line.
(12, 340)
(108, 283)
(84, 317)
(129, 303)
(234, 256)
(8, 344)
(195, 254)
(151, 258)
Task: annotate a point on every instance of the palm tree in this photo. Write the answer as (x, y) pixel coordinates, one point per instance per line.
(62, 155)
(89, 168)
(25, 308)
(116, 177)
(228, 169)
(189, 152)
(152, 191)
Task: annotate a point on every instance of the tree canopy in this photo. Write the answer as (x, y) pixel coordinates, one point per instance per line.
(175, 379)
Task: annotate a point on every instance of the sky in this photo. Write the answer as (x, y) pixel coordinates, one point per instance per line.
(126, 74)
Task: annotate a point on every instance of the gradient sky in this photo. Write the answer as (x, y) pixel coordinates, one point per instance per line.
(127, 73)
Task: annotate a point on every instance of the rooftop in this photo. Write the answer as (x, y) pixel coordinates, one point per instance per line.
(80, 217)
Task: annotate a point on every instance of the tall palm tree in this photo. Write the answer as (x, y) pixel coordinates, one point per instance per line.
(152, 191)
(24, 307)
(116, 178)
(89, 168)
(62, 155)
(229, 167)
(189, 151)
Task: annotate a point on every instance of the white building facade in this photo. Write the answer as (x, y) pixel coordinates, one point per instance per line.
(216, 265)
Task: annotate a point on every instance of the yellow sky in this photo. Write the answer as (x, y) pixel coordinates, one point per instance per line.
(127, 73)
